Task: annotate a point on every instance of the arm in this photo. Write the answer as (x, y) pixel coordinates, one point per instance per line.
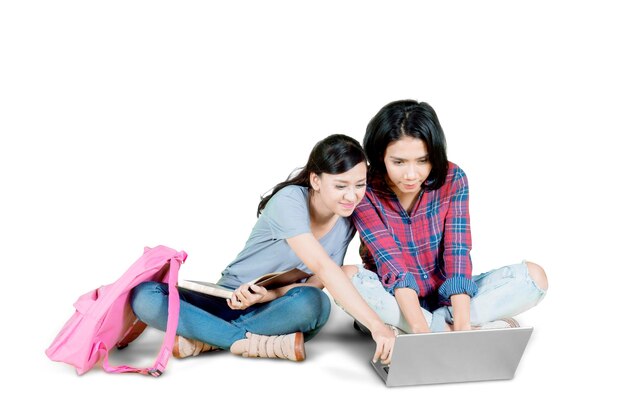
(461, 312)
(457, 237)
(333, 278)
(411, 310)
(313, 281)
(243, 298)
(389, 262)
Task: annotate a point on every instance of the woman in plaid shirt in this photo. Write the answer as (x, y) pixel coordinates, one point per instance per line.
(415, 234)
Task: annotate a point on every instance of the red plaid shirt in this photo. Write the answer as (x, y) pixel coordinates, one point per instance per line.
(428, 249)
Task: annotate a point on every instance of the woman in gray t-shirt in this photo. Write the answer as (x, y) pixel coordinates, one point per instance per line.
(303, 223)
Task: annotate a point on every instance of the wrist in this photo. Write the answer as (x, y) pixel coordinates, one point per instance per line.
(461, 325)
(270, 295)
(420, 329)
(376, 326)
(461, 311)
(418, 324)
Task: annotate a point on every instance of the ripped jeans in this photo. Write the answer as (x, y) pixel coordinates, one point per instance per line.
(503, 292)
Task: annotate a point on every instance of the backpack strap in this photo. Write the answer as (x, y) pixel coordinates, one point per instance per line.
(170, 333)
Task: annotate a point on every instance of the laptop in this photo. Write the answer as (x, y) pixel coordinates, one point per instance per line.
(463, 356)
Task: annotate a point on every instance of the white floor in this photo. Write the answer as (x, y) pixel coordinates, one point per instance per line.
(132, 123)
(336, 376)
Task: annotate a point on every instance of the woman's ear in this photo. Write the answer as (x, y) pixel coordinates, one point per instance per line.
(315, 181)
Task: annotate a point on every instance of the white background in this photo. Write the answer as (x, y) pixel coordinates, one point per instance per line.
(125, 124)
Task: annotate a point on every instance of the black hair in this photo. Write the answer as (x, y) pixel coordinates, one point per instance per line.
(407, 118)
(335, 154)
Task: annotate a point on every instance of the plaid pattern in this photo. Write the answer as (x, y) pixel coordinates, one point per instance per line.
(428, 249)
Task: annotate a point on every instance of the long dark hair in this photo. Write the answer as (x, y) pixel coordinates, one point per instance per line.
(333, 155)
(407, 118)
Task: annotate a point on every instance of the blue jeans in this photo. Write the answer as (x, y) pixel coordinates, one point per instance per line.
(502, 293)
(210, 320)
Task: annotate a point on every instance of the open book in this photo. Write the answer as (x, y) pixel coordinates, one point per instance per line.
(269, 281)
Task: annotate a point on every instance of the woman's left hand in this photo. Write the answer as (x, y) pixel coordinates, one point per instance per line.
(245, 296)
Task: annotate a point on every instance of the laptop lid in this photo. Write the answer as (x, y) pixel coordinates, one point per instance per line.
(439, 358)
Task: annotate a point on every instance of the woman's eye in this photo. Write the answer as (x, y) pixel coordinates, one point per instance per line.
(340, 187)
(398, 162)
(360, 185)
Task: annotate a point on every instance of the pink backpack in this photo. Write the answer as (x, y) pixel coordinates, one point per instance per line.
(104, 318)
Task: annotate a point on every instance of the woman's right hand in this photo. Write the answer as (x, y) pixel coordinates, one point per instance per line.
(385, 339)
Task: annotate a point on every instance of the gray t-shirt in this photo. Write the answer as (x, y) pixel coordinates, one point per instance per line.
(286, 215)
